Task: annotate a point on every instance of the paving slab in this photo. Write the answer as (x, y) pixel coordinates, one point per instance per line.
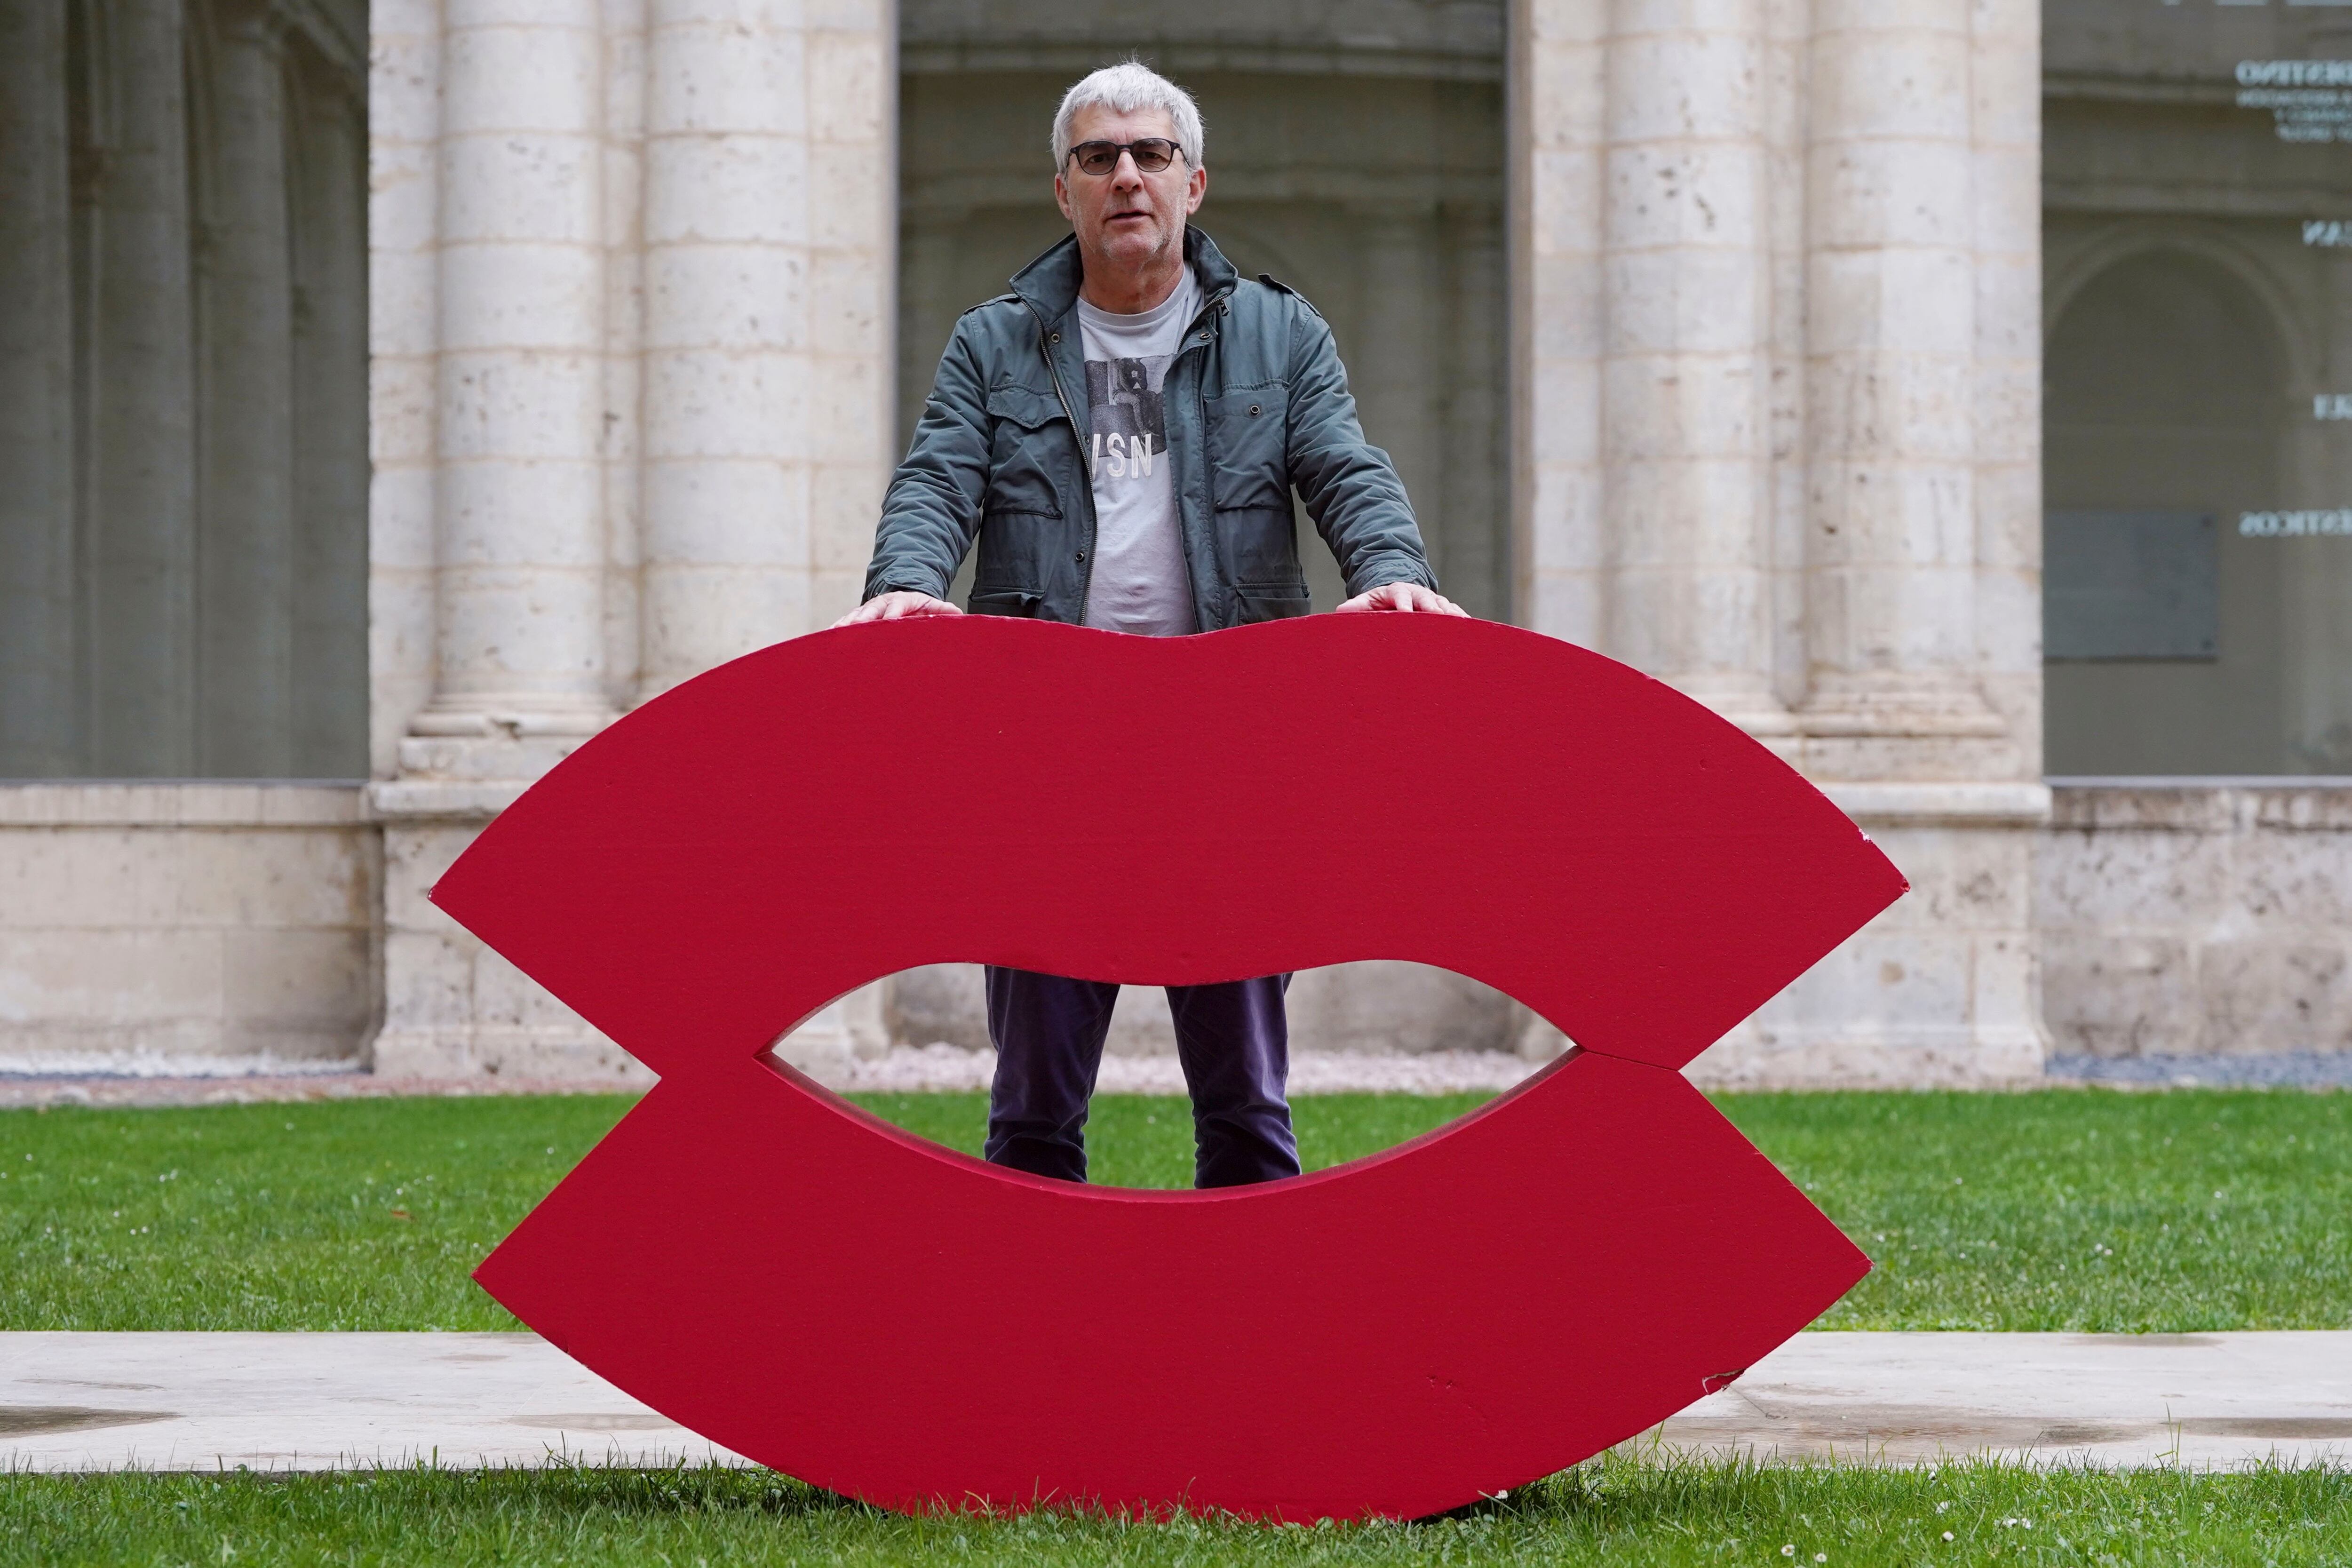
(317, 1402)
(2202, 1401)
(281, 1401)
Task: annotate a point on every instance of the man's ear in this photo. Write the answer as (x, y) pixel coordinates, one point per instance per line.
(1196, 189)
(1062, 199)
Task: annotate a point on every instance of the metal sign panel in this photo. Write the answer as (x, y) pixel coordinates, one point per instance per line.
(2130, 584)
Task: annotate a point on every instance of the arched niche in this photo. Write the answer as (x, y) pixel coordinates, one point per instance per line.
(2170, 392)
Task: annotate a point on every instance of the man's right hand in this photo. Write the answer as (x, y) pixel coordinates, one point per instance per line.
(899, 604)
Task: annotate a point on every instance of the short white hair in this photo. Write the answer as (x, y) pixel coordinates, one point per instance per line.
(1126, 88)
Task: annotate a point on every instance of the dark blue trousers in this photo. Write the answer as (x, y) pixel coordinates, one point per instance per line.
(1231, 1037)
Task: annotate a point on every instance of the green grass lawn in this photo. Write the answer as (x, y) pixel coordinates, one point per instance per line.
(2076, 1210)
(2073, 1210)
(1615, 1511)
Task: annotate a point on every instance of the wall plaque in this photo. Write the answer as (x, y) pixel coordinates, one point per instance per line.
(2130, 584)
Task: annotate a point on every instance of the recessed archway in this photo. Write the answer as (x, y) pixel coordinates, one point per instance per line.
(2169, 395)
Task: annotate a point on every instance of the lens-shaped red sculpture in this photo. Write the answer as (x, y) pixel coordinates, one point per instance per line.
(801, 1282)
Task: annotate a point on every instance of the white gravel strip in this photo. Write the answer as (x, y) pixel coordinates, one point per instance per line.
(160, 1065)
(915, 1070)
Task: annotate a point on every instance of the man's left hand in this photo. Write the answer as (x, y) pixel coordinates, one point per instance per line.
(1402, 597)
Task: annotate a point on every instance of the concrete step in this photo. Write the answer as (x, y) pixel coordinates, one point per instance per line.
(305, 1402)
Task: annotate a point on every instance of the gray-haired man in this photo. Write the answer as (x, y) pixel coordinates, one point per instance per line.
(1120, 436)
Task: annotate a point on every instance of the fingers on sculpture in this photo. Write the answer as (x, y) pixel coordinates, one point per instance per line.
(853, 1305)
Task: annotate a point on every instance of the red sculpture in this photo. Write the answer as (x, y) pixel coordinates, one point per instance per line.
(803, 1283)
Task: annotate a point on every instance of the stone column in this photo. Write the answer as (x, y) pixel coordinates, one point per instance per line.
(769, 214)
(852, 92)
(1471, 564)
(1559, 83)
(625, 321)
(1787, 44)
(927, 260)
(39, 695)
(1689, 304)
(1395, 370)
(328, 204)
(518, 486)
(518, 504)
(1921, 168)
(244, 503)
(768, 312)
(1891, 211)
(730, 391)
(140, 514)
(402, 268)
(2005, 62)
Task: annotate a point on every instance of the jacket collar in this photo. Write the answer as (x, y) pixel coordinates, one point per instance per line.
(1049, 285)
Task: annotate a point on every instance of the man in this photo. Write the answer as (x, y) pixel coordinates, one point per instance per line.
(1120, 436)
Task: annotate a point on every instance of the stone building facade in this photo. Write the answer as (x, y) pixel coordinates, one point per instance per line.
(389, 399)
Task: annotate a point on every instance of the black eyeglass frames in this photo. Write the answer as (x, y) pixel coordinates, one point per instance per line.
(1151, 154)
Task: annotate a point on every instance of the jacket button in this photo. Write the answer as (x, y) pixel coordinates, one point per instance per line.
(1055, 338)
(1252, 410)
(1082, 556)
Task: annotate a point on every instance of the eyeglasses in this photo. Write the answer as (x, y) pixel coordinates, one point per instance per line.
(1151, 154)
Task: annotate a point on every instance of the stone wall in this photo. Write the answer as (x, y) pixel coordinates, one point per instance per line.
(1776, 442)
(1774, 411)
(145, 926)
(1938, 991)
(2193, 917)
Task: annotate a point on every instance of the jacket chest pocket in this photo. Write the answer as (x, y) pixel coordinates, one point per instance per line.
(1248, 447)
(1020, 520)
(1249, 481)
(1029, 439)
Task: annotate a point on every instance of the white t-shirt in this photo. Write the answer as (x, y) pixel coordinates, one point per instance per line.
(1140, 583)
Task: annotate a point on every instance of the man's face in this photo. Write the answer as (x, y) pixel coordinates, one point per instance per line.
(1127, 220)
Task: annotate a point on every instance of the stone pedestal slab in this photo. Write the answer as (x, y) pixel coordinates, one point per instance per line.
(172, 926)
(1941, 990)
(452, 1007)
(2198, 917)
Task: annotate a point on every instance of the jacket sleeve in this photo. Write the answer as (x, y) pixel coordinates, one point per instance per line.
(930, 514)
(1350, 488)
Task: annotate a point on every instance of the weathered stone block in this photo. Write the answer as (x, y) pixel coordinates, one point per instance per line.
(2118, 995)
(2276, 994)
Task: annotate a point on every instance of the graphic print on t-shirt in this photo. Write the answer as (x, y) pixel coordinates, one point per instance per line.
(1123, 406)
(1136, 577)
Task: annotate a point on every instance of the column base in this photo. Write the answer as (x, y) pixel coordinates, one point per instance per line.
(574, 1054)
(493, 717)
(1897, 726)
(578, 1056)
(455, 1009)
(452, 1008)
(1744, 701)
(1899, 705)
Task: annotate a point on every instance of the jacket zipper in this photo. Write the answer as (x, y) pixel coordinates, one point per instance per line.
(1208, 312)
(1085, 583)
(1053, 373)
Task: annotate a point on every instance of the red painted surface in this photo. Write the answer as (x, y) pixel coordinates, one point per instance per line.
(870, 1312)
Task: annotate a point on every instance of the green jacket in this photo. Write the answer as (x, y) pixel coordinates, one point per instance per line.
(1257, 402)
